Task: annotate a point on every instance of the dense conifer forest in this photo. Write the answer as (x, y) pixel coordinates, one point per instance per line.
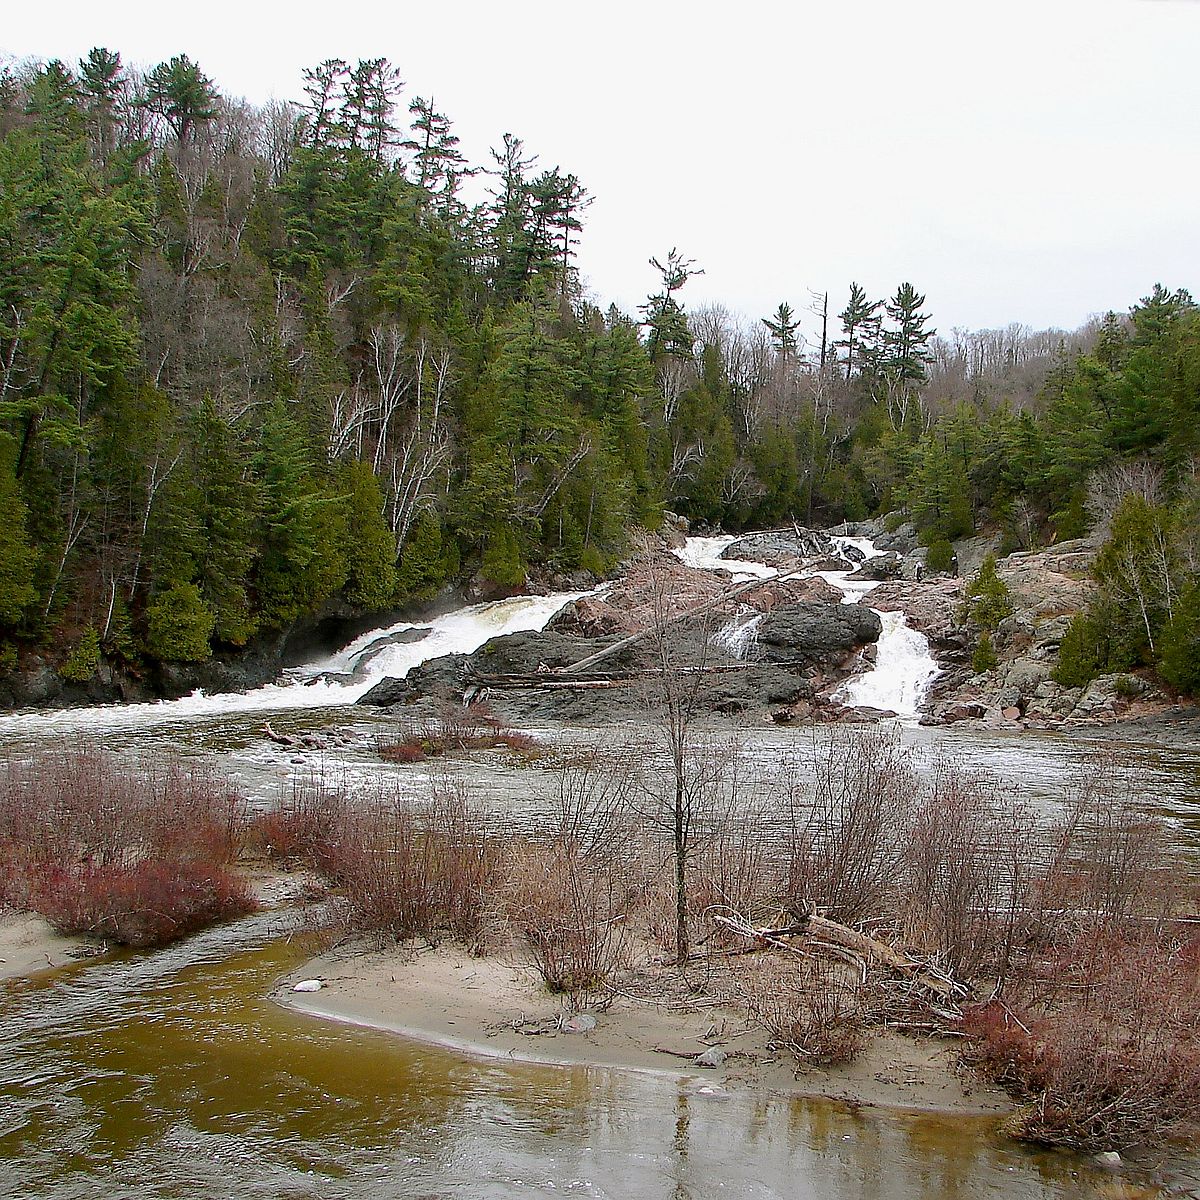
(255, 362)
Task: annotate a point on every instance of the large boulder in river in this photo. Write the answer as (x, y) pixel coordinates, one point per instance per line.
(816, 634)
(530, 652)
(786, 547)
(879, 568)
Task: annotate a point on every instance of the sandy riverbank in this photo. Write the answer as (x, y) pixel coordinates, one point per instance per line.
(498, 1008)
(28, 945)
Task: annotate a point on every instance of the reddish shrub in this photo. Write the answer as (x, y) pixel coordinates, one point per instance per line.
(76, 802)
(457, 728)
(305, 827)
(1002, 1045)
(149, 904)
(1111, 1061)
(408, 751)
(416, 871)
(133, 854)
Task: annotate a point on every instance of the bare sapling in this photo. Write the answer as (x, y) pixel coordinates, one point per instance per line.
(570, 897)
(848, 846)
(676, 800)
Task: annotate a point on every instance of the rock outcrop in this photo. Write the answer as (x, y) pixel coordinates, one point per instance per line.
(802, 650)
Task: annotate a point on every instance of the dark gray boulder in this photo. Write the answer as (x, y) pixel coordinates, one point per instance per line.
(820, 635)
(796, 543)
(883, 566)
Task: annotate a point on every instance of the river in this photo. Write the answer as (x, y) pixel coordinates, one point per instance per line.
(173, 1075)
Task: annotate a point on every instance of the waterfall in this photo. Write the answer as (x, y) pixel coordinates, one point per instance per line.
(903, 667)
(329, 682)
(704, 554)
(897, 681)
(903, 670)
(739, 636)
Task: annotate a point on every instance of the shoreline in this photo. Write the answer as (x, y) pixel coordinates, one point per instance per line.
(492, 1009)
(29, 946)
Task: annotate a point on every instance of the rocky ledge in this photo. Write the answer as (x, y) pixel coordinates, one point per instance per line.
(804, 645)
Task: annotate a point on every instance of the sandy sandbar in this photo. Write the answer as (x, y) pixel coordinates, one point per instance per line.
(498, 1008)
(28, 945)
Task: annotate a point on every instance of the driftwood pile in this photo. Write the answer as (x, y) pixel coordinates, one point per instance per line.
(938, 992)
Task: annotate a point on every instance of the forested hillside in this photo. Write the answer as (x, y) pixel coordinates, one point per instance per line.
(255, 361)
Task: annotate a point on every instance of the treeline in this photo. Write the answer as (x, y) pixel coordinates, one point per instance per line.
(253, 360)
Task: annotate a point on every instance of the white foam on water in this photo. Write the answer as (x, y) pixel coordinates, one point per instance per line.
(903, 667)
(304, 688)
(738, 636)
(903, 670)
(704, 554)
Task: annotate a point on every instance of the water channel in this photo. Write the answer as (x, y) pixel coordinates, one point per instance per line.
(173, 1074)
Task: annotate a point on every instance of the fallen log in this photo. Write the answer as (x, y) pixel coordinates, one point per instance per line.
(922, 975)
(709, 604)
(552, 680)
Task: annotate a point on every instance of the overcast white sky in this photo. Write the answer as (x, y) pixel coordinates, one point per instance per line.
(1017, 161)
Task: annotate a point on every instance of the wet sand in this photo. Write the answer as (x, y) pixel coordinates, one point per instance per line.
(28, 945)
(498, 1008)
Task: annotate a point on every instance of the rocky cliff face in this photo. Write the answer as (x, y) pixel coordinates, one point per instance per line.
(1047, 589)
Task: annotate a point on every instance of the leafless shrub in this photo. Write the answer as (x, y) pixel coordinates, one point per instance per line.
(1110, 862)
(738, 871)
(847, 846)
(147, 904)
(969, 862)
(572, 914)
(469, 864)
(569, 898)
(457, 728)
(76, 804)
(593, 796)
(382, 867)
(1114, 1061)
(136, 854)
(416, 871)
(305, 826)
(809, 1006)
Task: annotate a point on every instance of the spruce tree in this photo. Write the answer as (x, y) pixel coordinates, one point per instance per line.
(782, 327)
(861, 321)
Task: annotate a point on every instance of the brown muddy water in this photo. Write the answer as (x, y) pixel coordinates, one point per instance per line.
(172, 1075)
